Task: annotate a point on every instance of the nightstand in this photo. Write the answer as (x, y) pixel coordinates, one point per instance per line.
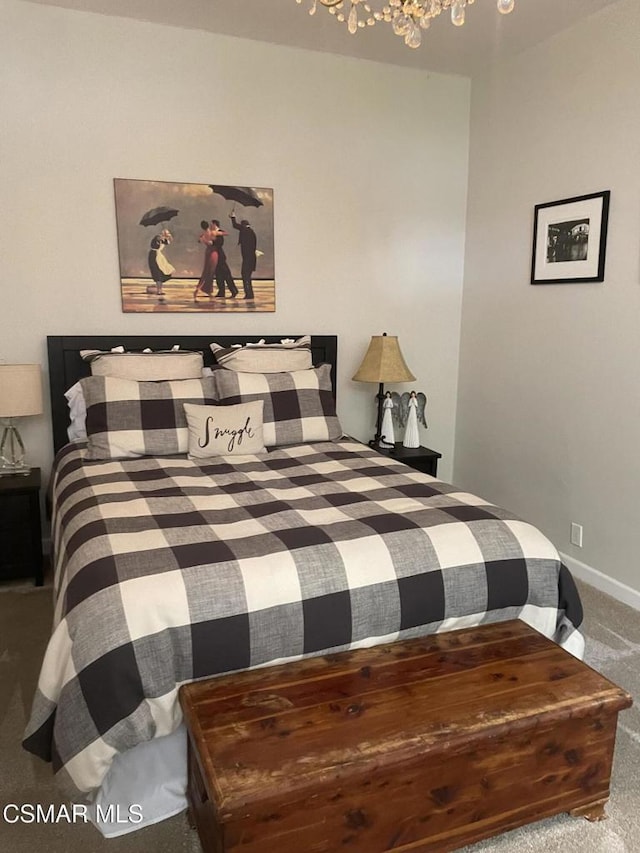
(420, 458)
(20, 533)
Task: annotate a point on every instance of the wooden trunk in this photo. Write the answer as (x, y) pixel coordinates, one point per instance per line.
(419, 745)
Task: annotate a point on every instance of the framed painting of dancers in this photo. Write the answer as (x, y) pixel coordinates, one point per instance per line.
(194, 247)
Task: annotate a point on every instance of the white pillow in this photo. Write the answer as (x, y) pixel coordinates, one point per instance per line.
(77, 429)
(225, 430)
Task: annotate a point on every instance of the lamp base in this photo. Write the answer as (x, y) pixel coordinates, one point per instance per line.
(12, 455)
(377, 442)
(381, 444)
(6, 471)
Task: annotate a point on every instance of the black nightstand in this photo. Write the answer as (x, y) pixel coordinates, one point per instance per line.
(20, 534)
(420, 458)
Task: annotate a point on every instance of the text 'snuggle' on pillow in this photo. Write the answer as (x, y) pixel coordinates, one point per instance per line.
(225, 430)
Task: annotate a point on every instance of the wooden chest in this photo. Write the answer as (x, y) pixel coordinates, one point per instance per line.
(420, 745)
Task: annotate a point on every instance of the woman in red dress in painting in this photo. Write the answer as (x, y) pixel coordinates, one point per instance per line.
(208, 238)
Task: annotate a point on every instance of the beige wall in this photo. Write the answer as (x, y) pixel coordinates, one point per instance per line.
(549, 397)
(368, 164)
(369, 167)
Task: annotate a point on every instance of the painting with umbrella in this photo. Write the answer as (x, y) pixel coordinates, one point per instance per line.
(194, 247)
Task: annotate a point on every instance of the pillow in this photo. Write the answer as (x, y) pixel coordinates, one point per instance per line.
(298, 406)
(126, 418)
(225, 430)
(77, 430)
(146, 366)
(289, 354)
(90, 354)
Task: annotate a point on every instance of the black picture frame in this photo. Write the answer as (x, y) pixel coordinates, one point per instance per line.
(570, 240)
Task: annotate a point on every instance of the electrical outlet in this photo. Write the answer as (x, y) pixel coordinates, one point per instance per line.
(576, 534)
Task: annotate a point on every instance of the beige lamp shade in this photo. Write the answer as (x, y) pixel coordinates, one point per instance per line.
(20, 390)
(384, 362)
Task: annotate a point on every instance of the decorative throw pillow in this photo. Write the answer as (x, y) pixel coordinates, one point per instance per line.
(289, 354)
(146, 366)
(126, 418)
(225, 430)
(298, 406)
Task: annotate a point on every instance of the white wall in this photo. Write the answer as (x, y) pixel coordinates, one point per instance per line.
(549, 401)
(368, 164)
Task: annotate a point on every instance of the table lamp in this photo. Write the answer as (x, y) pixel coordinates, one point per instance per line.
(20, 396)
(383, 362)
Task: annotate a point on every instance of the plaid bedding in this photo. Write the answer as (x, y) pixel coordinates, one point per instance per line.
(168, 570)
(298, 405)
(126, 418)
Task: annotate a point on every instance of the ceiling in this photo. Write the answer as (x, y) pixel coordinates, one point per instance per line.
(485, 37)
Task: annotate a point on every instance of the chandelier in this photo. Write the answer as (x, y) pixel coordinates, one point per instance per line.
(407, 17)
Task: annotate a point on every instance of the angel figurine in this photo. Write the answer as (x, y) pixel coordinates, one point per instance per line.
(388, 438)
(410, 409)
(411, 434)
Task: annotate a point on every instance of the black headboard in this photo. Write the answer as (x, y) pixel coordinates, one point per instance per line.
(66, 367)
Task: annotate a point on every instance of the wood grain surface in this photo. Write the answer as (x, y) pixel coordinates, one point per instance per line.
(422, 745)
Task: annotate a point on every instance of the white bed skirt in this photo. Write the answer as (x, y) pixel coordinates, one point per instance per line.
(151, 776)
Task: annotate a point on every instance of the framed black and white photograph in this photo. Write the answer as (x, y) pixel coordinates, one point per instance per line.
(570, 240)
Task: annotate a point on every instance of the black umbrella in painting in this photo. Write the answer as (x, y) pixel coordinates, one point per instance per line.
(158, 215)
(241, 195)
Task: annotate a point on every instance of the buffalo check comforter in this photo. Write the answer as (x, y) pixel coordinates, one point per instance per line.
(169, 570)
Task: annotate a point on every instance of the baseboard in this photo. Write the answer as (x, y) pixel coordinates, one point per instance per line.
(610, 586)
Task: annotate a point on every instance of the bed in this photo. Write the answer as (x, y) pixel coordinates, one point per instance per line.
(169, 569)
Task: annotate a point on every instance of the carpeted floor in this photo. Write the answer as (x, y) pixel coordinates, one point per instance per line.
(613, 647)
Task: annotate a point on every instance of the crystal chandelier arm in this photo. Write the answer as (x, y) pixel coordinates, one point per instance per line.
(330, 3)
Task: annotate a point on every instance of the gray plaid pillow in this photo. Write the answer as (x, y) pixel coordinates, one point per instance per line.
(298, 406)
(128, 419)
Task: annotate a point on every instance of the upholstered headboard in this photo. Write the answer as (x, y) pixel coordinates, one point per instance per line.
(66, 366)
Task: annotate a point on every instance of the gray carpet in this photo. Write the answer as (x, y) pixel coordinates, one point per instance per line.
(613, 647)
